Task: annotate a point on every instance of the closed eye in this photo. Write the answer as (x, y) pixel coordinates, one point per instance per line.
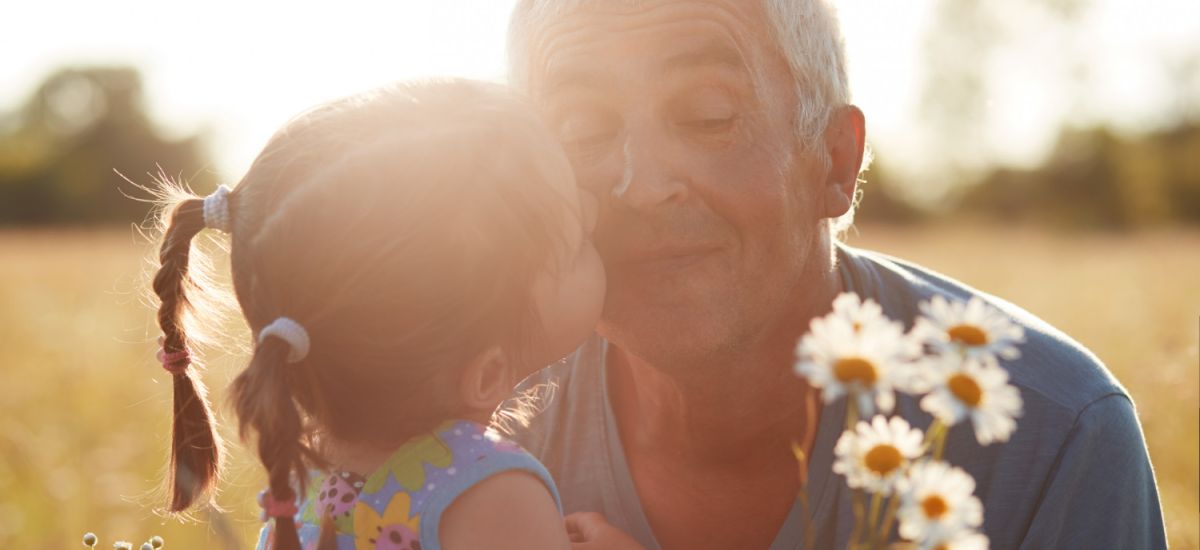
(587, 133)
(720, 124)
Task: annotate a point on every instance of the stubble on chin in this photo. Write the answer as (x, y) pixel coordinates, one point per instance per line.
(675, 342)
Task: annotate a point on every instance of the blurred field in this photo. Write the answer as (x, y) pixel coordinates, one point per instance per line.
(84, 407)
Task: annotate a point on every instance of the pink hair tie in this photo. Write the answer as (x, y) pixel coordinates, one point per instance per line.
(175, 362)
(273, 508)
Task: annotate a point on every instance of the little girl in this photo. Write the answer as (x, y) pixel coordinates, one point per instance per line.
(403, 257)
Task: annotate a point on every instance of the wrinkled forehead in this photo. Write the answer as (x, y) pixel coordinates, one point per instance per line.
(553, 40)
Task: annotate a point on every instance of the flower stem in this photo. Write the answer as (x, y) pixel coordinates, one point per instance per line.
(872, 519)
(858, 507)
(931, 435)
(858, 504)
(809, 536)
(851, 410)
(889, 516)
(802, 462)
(939, 444)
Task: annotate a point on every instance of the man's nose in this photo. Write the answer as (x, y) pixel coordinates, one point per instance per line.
(652, 175)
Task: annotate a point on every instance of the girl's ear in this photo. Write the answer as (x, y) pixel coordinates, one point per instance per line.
(487, 381)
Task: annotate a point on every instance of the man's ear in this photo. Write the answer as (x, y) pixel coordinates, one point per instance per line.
(845, 140)
(487, 381)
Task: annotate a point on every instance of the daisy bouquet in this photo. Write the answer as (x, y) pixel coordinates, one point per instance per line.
(951, 361)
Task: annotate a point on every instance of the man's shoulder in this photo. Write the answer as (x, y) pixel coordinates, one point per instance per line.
(1061, 371)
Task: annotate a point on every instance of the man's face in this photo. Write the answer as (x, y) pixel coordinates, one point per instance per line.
(678, 115)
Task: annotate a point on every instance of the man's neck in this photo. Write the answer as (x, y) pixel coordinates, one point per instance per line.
(712, 422)
(735, 413)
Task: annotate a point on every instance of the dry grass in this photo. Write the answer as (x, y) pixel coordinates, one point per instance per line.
(84, 407)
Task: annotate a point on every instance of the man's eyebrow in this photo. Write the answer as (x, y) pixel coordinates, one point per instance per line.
(571, 78)
(716, 52)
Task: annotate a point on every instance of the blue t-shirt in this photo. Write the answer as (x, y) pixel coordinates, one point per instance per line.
(1075, 474)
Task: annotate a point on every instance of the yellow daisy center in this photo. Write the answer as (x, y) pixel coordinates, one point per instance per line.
(854, 369)
(857, 326)
(934, 507)
(883, 459)
(966, 389)
(969, 335)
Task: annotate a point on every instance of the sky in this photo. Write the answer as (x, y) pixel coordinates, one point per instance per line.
(239, 69)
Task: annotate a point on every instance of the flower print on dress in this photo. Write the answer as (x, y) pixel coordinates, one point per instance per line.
(338, 494)
(335, 498)
(408, 466)
(393, 530)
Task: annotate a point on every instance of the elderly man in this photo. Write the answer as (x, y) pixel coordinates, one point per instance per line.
(719, 137)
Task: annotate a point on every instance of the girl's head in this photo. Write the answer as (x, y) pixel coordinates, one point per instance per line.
(430, 241)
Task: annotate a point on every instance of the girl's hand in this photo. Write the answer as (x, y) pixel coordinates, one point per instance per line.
(590, 531)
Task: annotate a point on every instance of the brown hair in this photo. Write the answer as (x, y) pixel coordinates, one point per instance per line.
(403, 228)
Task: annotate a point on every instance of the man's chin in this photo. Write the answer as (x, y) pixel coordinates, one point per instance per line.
(668, 342)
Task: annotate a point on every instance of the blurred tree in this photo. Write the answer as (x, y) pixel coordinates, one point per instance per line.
(1096, 178)
(961, 49)
(883, 201)
(61, 151)
(1182, 147)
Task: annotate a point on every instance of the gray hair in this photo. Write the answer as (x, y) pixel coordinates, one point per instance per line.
(806, 32)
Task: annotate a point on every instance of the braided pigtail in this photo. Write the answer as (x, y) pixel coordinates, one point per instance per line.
(195, 445)
(263, 399)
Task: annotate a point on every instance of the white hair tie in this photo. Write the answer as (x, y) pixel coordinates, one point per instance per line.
(291, 332)
(216, 210)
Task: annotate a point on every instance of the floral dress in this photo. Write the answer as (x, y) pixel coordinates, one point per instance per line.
(400, 505)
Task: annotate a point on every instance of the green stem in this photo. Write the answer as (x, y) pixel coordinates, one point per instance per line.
(873, 517)
(802, 462)
(809, 536)
(889, 516)
(931, 435)
(939, 444)
(858, 504)
(858, 518)
(851, 410)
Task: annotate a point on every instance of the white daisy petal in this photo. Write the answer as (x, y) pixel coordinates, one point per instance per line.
(963, 540)
(857, 350)
(937, 504)
(874, 456)
(973, 329)
(968, 388)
